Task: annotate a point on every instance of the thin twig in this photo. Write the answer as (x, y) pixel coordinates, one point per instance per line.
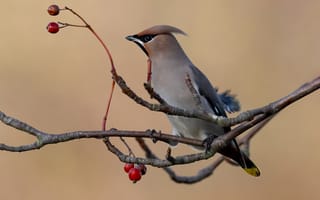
(127, 146)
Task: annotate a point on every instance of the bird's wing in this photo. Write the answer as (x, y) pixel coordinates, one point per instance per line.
(219, 102)
(207, 91)
(230, 103)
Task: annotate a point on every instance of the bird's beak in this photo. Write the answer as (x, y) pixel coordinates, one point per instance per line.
(134, 38)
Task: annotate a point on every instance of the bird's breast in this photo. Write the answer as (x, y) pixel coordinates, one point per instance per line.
(172, 87)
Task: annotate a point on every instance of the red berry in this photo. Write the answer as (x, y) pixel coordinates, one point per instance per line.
(142, 168)
(53, 27)
(53, 10)
(134, 174)
(128, 166)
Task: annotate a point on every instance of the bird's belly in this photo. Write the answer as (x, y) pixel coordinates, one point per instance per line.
(173, 89)
(194, 128)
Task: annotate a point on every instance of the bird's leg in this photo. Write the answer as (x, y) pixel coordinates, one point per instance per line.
(169, 157)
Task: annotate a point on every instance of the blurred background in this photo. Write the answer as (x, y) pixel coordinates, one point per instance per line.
(260, 49)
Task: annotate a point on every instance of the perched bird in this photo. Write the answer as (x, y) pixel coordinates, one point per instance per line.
(170, 70)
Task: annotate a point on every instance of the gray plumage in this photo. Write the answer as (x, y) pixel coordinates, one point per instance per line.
(171, 68)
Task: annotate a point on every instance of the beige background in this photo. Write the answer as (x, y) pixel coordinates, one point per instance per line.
(262, 50)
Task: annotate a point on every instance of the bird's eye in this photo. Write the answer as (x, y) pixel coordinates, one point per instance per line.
(146, 38)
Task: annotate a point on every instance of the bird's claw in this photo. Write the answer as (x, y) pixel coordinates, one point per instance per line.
(208, 142)
(152, 133)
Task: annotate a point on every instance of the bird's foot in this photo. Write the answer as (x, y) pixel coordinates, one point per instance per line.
(169, 157)
(152, 133)
(208, 141)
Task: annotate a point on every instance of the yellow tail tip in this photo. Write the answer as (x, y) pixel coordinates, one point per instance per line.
(253, 171)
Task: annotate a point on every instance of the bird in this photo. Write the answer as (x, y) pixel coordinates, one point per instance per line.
(171, 69)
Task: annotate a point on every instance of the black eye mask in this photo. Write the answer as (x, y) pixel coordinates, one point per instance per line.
(145, 38)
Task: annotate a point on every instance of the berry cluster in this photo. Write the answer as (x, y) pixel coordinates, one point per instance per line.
(53, 27)
(135, 171)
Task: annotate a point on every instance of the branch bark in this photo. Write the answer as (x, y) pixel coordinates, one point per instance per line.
(250, 119)
(256, 118)
(269, 109)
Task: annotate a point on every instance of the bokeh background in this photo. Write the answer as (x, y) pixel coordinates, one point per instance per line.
(260, 49)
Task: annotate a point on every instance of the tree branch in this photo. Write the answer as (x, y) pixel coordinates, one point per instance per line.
(272, 108)
(265, 112)
(206, 171)
(253, 118)
(256, 118)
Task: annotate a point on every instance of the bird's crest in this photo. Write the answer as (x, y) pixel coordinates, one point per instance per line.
(161, 29)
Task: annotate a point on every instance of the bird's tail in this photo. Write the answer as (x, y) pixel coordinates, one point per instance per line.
(233, 151)
(249, 166)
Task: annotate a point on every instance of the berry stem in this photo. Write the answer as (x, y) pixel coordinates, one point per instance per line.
(128, 147)
(113, 69)
(105, 118)
(96, 35)
(73, 25)
(149, 72)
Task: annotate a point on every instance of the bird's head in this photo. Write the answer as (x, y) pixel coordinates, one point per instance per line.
(157, 39)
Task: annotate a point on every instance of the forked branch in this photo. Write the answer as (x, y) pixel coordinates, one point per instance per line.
(256, 118)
